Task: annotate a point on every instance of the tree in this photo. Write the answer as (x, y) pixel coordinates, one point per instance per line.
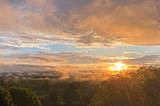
(71, 95)
(55, 97)
(86, 99)
(151, 85)
(46, 84)
(24, 97)
(100, 96)
(120, 90)
(5, 98)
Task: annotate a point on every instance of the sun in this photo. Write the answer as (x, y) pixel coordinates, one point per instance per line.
(118, 66)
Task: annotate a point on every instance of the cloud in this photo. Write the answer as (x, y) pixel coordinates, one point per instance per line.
(75, 58)
(132, 23)
(132, 53)
(55, 57)
(91, 23)
(2, 63)
(28, 39)
(82, 58)
(149, 59)
(43, 58)
(64, 77)
(85, 72)
(62, 72)
(91, 40)
(8, 47)
(51, 57)
(8, 16)
(11, 67)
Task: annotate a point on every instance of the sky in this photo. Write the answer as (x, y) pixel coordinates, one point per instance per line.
(75, 36)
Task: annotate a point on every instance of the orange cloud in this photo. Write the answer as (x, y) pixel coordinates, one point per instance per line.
(129, 22)
(8, 16)
(135, 24)
(93, 23)
(44, 58)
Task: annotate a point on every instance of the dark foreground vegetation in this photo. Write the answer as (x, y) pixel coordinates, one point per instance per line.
(138, 88)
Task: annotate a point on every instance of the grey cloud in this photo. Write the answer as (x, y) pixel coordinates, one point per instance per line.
(34, 57)
(158, 5)
(61, 57)
(56, 73)
(28, 39)
(91, 39)
(152, 59)
(17, 3)
(77, 58)
(20, 67)
(68, 5)
(8, 47)
(127, 2)
(144, 60)
(43, 59)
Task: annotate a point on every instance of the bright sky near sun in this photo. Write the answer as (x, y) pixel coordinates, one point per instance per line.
(78, 35)
(118, 66)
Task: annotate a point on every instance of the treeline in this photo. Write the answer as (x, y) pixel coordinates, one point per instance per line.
(15, 96)
(70, 96)
(42, 86)
(138, 88)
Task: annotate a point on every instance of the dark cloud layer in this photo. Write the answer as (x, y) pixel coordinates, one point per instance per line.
(77, 58)
(45, 59)
(91, 68)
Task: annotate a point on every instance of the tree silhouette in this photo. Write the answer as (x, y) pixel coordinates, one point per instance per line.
(71, 95)
(24, 97)
(86, 99)
(55, 97)
(5, 98)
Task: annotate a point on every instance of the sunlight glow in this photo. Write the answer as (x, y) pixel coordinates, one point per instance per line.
(118, 66)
